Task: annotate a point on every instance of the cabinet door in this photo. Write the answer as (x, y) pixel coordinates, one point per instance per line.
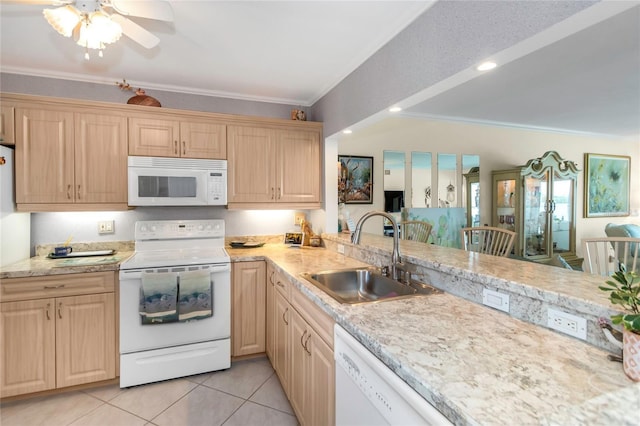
(44, 156)
(203, 140)
(271, 315)
(251, 172)
(7, 130)
(100, 158)
(300, 360)
(282, 338)
(248, 308)
(154, 138)
(27, 347)
(85, 339)
(321, 381)
(298, 167)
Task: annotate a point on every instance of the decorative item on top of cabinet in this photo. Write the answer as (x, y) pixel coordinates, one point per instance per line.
(68, 160)
(537, 201)
(274, 167)
(141, 98)
(57, 331)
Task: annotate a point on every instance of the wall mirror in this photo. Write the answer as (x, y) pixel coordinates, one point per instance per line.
(421, 180)
(448, 190)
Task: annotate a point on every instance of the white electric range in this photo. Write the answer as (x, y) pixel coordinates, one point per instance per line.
(151, 352)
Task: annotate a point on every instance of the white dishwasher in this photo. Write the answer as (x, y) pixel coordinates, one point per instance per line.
(369, 393)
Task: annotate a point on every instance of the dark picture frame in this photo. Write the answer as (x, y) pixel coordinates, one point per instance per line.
(355, 179)
(607, 183)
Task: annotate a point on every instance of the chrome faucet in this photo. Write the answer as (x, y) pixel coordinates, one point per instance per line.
(396, 261)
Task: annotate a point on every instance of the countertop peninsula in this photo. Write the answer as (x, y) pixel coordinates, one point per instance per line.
(475, 364)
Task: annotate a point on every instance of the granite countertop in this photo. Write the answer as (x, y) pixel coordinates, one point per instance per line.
(475, 364)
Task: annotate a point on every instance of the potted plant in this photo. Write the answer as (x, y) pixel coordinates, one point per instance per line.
(624, 290)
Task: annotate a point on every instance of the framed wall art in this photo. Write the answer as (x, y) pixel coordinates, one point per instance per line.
(606, 185)
(355, 179)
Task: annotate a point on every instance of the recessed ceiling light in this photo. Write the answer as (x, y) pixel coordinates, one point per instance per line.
(347, 132)
(395, 109)
(486, 66)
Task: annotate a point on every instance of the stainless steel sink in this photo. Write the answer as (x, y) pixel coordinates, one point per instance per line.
(364, 285)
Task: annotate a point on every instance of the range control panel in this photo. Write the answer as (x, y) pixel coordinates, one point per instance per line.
(178, 229)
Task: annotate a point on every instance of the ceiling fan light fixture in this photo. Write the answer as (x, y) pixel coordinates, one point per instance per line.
(63, 19)
(96, 30)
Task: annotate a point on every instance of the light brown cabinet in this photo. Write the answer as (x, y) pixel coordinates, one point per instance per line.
(248, 308)
(7, 128)
(273, 168)
(69, 160)
(302, 353)
(57, 341)
(158, 137)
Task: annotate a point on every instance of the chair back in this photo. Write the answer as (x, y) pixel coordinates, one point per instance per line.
(488, 240)
(604, 255)
(415, 230)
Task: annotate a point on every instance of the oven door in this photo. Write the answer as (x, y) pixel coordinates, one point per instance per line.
(150, 186)
(136, 337)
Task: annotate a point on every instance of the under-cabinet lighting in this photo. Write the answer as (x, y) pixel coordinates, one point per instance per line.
(486, 66)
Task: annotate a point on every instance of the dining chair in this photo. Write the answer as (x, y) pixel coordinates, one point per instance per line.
(488, 240)
(415, 230)
(604, 255)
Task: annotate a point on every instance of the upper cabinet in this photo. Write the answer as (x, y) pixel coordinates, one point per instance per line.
(158, 137)
(70, 160)
(273, 167)
(7, 129)
(538, 201)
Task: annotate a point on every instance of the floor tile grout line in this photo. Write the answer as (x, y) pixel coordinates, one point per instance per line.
(173, 403)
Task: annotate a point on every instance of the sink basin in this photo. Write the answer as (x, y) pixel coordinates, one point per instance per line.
(364, 285)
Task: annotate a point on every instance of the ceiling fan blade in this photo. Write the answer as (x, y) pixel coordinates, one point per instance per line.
(159, 9)
(43, 2)
(135, 32)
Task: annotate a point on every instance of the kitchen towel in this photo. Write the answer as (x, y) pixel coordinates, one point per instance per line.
(196, 295)
(158, 297)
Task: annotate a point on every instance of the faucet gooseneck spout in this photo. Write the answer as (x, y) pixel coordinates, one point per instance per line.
(395, 256)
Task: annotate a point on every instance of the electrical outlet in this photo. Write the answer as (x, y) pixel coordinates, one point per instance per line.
(106, 227)
(341, 248)
(298, 217)
(495, 300)
(567, 323)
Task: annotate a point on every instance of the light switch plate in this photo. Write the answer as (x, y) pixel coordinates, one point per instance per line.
(495, 300)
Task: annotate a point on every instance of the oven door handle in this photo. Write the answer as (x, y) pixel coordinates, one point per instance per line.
(136, 274)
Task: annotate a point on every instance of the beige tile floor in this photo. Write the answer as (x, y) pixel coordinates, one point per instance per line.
(249, 393)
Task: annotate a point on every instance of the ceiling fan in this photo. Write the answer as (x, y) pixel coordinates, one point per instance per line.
(95, 23)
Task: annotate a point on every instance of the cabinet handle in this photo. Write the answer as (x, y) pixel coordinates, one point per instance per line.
(184, 148)
(51, 287)
(283, 314)
(280, 284)
(78, 192)
(306, 342)
(301, 338)
(48, 307)
(175, 147)
(279, 193)
(271, 277)
(273, 194)
(69, 192)
(60, 310)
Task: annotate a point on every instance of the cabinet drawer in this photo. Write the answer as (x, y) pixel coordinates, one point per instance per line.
(57, 285)
(282, 285)
(319, 320)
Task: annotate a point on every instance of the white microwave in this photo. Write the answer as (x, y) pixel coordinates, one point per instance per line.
(161, 181)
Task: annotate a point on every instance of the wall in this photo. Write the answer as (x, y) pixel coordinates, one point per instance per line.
(498, 147)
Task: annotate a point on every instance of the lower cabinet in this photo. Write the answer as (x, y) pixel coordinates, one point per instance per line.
(248, 308)
(55, 342)
(302, 352)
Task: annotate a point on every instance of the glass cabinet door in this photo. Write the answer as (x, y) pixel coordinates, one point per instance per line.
(535, 216)
(506, 203)
(561, 211)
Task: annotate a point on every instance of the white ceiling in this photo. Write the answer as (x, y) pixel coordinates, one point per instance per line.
(294, 52)
(289, 52)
